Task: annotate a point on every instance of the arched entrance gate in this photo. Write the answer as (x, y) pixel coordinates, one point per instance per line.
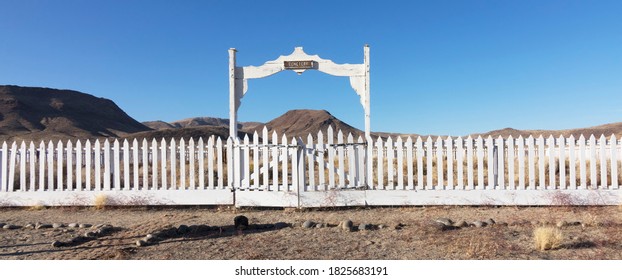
(311, 174)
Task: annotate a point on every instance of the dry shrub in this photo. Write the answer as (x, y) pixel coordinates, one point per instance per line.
(547, 238)
(36, 207)
(101, 201)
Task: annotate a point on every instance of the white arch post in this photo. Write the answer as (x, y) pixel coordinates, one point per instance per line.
(299, 62)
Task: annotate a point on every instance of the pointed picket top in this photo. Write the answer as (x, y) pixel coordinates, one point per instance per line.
(294, 142)
(592, 137)
(571, 139)
(613, 139)
(500, 139)
(429, 139)
(320, 136)
(256, 136)
(339, 137)
(551, 140)
(23, 145)
(489, 138)
(399, 141)
(32, 145)
(419, 140)
(4, 146)
(469, 138)
(264, 131)
(379, 141)
(350, 139)
(210, 142)
(309, 139)
(116, 142)
(200, 141)
(330, 131)
(511, 139)
(360, 139)
(218, 141)
(274, 136)
(389, 142)
(409, 140)
(284, 139)
(581, 138)
(479, 138)
(135, 142)
(246, 138)
(602, 138)
(41, 145)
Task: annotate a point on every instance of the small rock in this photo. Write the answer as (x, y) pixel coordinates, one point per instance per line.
(97, 226)
(479, 224)
(57, 225)
(320, 225)
(369, 242)
(575, 223)
(346, 225)
(57, 244)
(381, 226)
(280, 225)
(502, 224)
(444, 221)
(364, 227)
(398, 226)
(441, 226)
(2, 224)
(73, 225)
(84, 225)
(104, 230)
(490, 222)
(29, 226)
(240, 222)
(150, 238)
(308, 224)
(10, 226)
(562, 224)
(461, 224)
(40, 226)
(515, 223)
(90, 234)
(140, 243)
(183, 229)
(535, 223)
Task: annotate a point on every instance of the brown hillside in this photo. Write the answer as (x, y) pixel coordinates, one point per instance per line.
(32, 113)
(186, 133)
(597, 131)
(157, 125)
(301, 123)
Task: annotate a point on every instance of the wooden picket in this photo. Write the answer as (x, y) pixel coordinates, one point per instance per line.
(272, 166)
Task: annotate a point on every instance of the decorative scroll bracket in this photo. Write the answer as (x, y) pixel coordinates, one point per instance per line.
(298, 61)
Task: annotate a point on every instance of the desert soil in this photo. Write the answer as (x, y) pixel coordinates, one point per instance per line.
(405, 233)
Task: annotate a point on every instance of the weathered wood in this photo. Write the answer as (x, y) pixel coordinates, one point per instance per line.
(12, 164)
(201, 158)
(321, 149)
(145, 162)
(154, 165)
(479, 144)
(582, 166)
(603, 162)
(429, 168)
(33, 165)
(135, 166)
(531, 162)
(117, 165)
(219, 163)
(256, 156)
(380, 162)
(390, 169)
(60, 162)
(98, 166)
(450, 163)
(562, 161)
(246, 162)
(440, 182)
(126, 165)
(4, 166)
(341, 156)
(521, 162)
(182, 165)
(613, 156)
(551, 151)
(22, 167)
(420, 167)
(173, 161)
(88, 164)
(275, 163)
(285, 161)
(400, 163)
(163, 161)
(409, 163)
(351, 161)
(331, 157)
(460, 163)
(593, 160)
(78, 166)
(490, 150)
(541, 163)
(572, 162)
(42, 157)
(470, 170)
(311, 163)
(511, 164)
(265, 159)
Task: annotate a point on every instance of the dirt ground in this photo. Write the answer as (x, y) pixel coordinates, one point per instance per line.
(408, 233)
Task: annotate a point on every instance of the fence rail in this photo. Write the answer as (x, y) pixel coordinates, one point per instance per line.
(332, 170)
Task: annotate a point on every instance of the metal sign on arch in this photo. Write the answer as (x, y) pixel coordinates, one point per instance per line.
(299, 62)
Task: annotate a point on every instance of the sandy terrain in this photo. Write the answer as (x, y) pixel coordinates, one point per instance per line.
(591, 233)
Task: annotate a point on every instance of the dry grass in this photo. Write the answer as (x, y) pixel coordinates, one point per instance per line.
(547, 238)
(101, 201)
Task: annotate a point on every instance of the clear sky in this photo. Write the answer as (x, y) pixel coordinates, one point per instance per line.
(437, 67)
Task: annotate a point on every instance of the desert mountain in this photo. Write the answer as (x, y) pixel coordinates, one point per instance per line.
(597, 131)
(301, 123)
(198, 122)
(33, 113)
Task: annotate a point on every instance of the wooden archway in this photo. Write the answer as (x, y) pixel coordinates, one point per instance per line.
(299, 62)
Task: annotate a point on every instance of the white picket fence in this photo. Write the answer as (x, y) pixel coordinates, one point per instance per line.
(321, 171)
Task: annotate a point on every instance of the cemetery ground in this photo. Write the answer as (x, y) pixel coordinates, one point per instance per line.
(431, 233)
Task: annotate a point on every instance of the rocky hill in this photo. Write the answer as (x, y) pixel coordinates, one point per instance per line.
(34, 113)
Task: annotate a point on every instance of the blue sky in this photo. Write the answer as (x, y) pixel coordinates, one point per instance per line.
(437, 67)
